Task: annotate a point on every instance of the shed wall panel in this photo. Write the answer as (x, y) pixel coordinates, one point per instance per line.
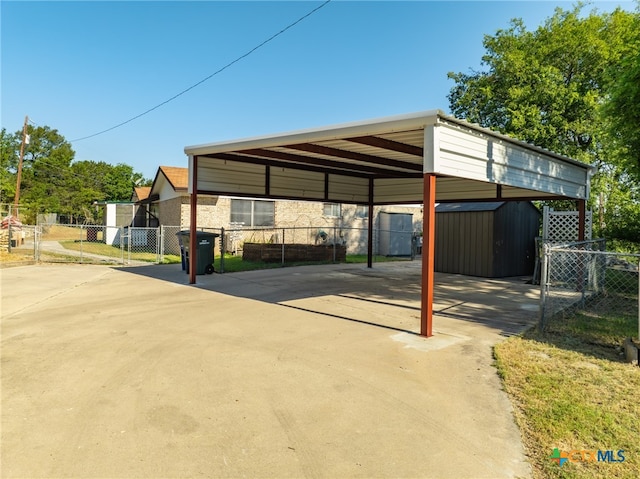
(492, 243)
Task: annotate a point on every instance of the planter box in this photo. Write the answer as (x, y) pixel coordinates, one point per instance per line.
(272, 253)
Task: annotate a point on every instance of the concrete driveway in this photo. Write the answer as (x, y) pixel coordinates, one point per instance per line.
(296, 372)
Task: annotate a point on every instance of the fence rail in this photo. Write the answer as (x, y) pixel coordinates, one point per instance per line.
(583, 276)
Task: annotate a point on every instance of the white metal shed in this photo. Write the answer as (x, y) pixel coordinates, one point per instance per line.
(421, 158)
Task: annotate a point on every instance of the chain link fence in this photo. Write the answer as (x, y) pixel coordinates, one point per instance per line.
(293, 245)
(583, 276)
(59, 243)
(96, 244)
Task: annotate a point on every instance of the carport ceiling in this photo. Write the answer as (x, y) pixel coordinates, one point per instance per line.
(383, 161)
(422, 158)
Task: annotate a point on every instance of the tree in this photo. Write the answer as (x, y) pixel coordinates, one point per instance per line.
(552, 87)
(53, 183)
(45, 171)
(9, 146)
(622, 112)
(119, 182)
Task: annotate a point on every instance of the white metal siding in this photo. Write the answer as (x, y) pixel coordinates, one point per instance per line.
(231, 177)
(474, 155)
(288, 183)
(389, 190)
(349, 189)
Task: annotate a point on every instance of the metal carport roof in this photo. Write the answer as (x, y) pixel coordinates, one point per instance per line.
(422, 157)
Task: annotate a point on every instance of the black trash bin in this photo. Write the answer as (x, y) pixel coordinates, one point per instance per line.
(181, 241)
(205, 244)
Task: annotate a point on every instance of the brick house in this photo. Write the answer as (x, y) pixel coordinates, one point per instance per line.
(167, 203)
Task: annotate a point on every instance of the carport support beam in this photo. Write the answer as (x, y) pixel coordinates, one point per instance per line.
(428, 254)
(192, 222)
(370, 227)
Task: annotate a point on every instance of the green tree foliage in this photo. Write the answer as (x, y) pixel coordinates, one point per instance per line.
(622, 111)
(562, 87)
(8, 162)
(53, 183)
(45, 170)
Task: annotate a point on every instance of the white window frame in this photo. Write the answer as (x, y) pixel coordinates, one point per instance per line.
(329, 210)
(253, 212)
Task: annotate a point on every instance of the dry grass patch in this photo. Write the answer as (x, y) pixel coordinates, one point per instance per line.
(572, 395)
(16, 257)
(62, 232)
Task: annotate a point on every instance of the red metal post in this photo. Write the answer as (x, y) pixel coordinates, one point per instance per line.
(370, 227)
(193, 241)
(428, 254)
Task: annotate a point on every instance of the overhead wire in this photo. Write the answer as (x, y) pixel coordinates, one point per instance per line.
(220, 70)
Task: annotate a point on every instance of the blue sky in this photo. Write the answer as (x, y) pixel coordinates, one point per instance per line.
(82, 67)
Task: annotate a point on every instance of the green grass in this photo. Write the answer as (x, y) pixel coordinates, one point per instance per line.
(234, 264)
(115, 252)
(362, 258)
(571, 391)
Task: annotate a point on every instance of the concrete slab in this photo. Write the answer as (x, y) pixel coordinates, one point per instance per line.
(297, 372)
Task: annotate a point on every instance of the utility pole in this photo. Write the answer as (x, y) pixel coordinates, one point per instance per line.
(16, 200)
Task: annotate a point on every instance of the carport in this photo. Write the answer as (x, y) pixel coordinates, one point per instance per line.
(422, 158)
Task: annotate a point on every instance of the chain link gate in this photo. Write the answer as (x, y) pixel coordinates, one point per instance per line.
(583, 276)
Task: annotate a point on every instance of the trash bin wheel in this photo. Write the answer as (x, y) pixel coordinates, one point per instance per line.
(209, 269)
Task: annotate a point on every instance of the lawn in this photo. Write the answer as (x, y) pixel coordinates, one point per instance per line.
(233, 264)
(572, 391)
(115, 252)
(70, 239)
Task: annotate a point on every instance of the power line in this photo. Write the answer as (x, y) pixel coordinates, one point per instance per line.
(241, 57)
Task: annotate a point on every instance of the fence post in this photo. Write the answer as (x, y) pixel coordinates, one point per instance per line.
(160, 243)
(222, 250)
(36, 242)
(335, 237)
(121, 231)
(638, 306)
(283, 246)
(543, 286)
(81, 244)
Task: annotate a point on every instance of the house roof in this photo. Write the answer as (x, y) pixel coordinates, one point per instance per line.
(177, 177)
(383, 161)
(466, 207)
(142, 192)
(474, 206)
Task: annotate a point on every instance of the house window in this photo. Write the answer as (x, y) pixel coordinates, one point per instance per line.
(362, 211)
(331, 209)
(253, 212)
